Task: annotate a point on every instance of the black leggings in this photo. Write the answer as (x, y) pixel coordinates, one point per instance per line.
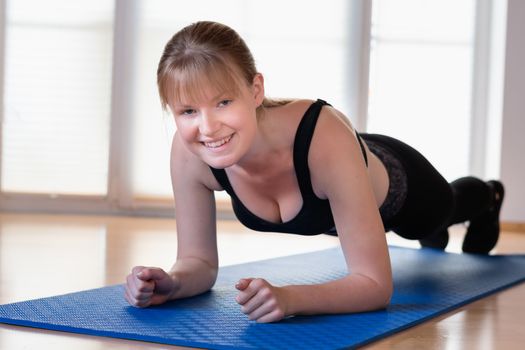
(431, 204)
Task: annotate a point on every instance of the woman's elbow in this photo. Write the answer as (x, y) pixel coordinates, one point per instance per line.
(385, 296)
(385, 301)
(382, 295)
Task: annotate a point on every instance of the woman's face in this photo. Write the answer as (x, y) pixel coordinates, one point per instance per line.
(221, 127)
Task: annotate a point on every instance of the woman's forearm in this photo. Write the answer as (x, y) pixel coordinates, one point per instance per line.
(192, 276)
(353, 293)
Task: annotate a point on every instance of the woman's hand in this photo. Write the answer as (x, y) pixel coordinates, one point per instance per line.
(147, 286)
(260, 300)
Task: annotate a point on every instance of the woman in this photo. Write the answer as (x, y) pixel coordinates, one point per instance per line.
(294, 166)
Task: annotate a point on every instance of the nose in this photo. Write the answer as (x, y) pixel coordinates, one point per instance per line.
(209, 124)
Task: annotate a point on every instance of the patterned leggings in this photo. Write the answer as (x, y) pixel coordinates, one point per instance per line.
(420, 201)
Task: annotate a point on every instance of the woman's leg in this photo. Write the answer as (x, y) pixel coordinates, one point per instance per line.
(429, 200)
(432, 204)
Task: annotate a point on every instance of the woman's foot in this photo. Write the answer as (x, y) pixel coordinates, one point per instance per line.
(483, 231)
(438, 240)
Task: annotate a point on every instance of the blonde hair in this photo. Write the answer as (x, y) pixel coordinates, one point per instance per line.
(205, 53)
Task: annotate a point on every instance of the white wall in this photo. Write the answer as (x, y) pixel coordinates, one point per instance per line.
(513, 122)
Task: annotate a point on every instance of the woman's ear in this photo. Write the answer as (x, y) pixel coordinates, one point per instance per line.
(258, 89)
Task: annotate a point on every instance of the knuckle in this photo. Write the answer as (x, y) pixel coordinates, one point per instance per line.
(265, 320)
(258, 282)
(266, 292)
(279, 314)
(143, 288)
(272, 303)
(134, 302)
(141, 303)
(144, 296)
(136, 269)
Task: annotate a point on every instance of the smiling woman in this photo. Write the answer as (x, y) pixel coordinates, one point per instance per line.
(298, 167)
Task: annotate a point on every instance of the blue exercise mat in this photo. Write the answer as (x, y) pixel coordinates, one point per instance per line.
(427, 283)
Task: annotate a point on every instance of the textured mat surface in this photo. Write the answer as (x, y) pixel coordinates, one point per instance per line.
(427, 283)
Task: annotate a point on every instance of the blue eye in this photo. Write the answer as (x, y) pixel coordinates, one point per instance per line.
(187, 112)
(224, 103)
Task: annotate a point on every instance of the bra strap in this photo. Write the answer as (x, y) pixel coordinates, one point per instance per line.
(303, 139)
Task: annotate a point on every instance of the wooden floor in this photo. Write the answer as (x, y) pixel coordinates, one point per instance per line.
(44, 255)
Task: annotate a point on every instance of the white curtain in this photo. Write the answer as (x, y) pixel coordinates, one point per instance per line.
(421, 71)
(57, 85)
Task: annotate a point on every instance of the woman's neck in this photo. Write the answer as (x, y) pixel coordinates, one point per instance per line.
(269, 145)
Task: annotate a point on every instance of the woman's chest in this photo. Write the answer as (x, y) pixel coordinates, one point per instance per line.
(272, 195)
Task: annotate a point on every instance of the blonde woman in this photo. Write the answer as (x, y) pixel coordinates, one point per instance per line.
(293, 166)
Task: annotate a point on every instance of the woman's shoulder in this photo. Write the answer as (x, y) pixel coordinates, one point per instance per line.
(285, 119)
(334, 134)
(289, 107)
(289, 115)
(297, 108)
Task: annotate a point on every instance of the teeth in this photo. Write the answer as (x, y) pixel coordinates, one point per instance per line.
(219, 143)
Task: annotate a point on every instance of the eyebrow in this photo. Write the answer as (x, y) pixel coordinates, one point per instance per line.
(218, 96)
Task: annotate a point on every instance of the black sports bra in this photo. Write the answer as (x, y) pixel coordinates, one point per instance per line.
(315, 216)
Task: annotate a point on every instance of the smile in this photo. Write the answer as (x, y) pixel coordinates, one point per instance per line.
(219, 143)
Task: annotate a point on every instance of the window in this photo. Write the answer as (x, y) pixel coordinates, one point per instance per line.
(57, 97)
(421, 72)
